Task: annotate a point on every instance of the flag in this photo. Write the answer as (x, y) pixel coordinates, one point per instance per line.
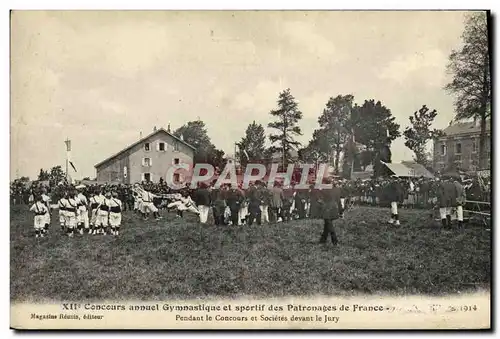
(68, 145)
(71, 163)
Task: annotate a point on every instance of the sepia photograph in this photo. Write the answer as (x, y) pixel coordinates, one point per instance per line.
(250, 169)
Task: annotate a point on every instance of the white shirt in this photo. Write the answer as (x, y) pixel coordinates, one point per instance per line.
(82, 198)
(39, 207)
(46, 199)
(114, 202)
(147, 196)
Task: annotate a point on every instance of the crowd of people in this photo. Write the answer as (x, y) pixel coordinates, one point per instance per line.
(97, 209)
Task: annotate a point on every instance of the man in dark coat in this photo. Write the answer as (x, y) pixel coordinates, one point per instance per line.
(331, 206)
(233, 200)
(300, 203)
(315, 206)
(395, 193)
(254, 201)
(277, 202)
(202, 201)
(265, 202)
(217, 197)
(288, 199)
(447, 198)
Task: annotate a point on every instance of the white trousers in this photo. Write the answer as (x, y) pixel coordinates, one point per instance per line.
(264, 213)
(242, 214)
(444, 211)
(62, 219)
(394, 207)
(83, 217)
(460, 213)
(203, 213)
(181, 207)
(70, 219)
(102, 218)
(115, 219)
(149, 207)
(174, 204)
(39, 221)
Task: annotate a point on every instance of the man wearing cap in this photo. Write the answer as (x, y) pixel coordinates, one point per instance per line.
(233, 199)
(277, 202)
(460, 201)
(102, 222)
(71, 204)
(266, 197)
(62, 209)
(202, 200)
(46, 201)
(39, 220)
(217, 197)
(148, 205)
(83, 215)
(254, 201)
(115, 213)
(330, 201)
(95, 201)
(447, 198)
(396, 196)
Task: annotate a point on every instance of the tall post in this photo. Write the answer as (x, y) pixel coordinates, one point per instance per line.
(351, 151)
(68, 150)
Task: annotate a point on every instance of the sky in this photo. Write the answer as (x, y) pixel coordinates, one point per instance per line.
(100, 78)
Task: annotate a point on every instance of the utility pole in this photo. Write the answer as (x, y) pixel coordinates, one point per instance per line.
(68, 149)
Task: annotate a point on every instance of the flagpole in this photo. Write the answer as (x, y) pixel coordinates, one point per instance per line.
(67, 160)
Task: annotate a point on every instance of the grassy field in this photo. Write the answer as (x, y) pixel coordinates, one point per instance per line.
(159, 260)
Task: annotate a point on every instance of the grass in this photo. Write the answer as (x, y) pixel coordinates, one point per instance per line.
(170, 259)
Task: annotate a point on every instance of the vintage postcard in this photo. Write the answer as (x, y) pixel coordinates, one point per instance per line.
(250, 170)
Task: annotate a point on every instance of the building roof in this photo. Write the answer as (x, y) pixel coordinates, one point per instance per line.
(418, 169)
(465, 128)
(408, 169)
(142, 140)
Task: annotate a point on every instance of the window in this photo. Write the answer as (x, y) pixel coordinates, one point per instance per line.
(147, 147)
(146, 162)
(176, 161)
(458, 158)
(458, 148)
(177, 177)
(176, 146)
(161, 147)
(443, 149)
(147, 177)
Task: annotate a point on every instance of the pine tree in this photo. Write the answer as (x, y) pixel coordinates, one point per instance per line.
(287, 116)
(252, 144)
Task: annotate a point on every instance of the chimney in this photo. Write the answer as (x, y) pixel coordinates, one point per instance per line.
(451, 123)
(168, 128)
(182, 137)
(154, 129)
(140, 135)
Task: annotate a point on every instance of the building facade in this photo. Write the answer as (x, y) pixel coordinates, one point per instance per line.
(148, 159)
(459, 147)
